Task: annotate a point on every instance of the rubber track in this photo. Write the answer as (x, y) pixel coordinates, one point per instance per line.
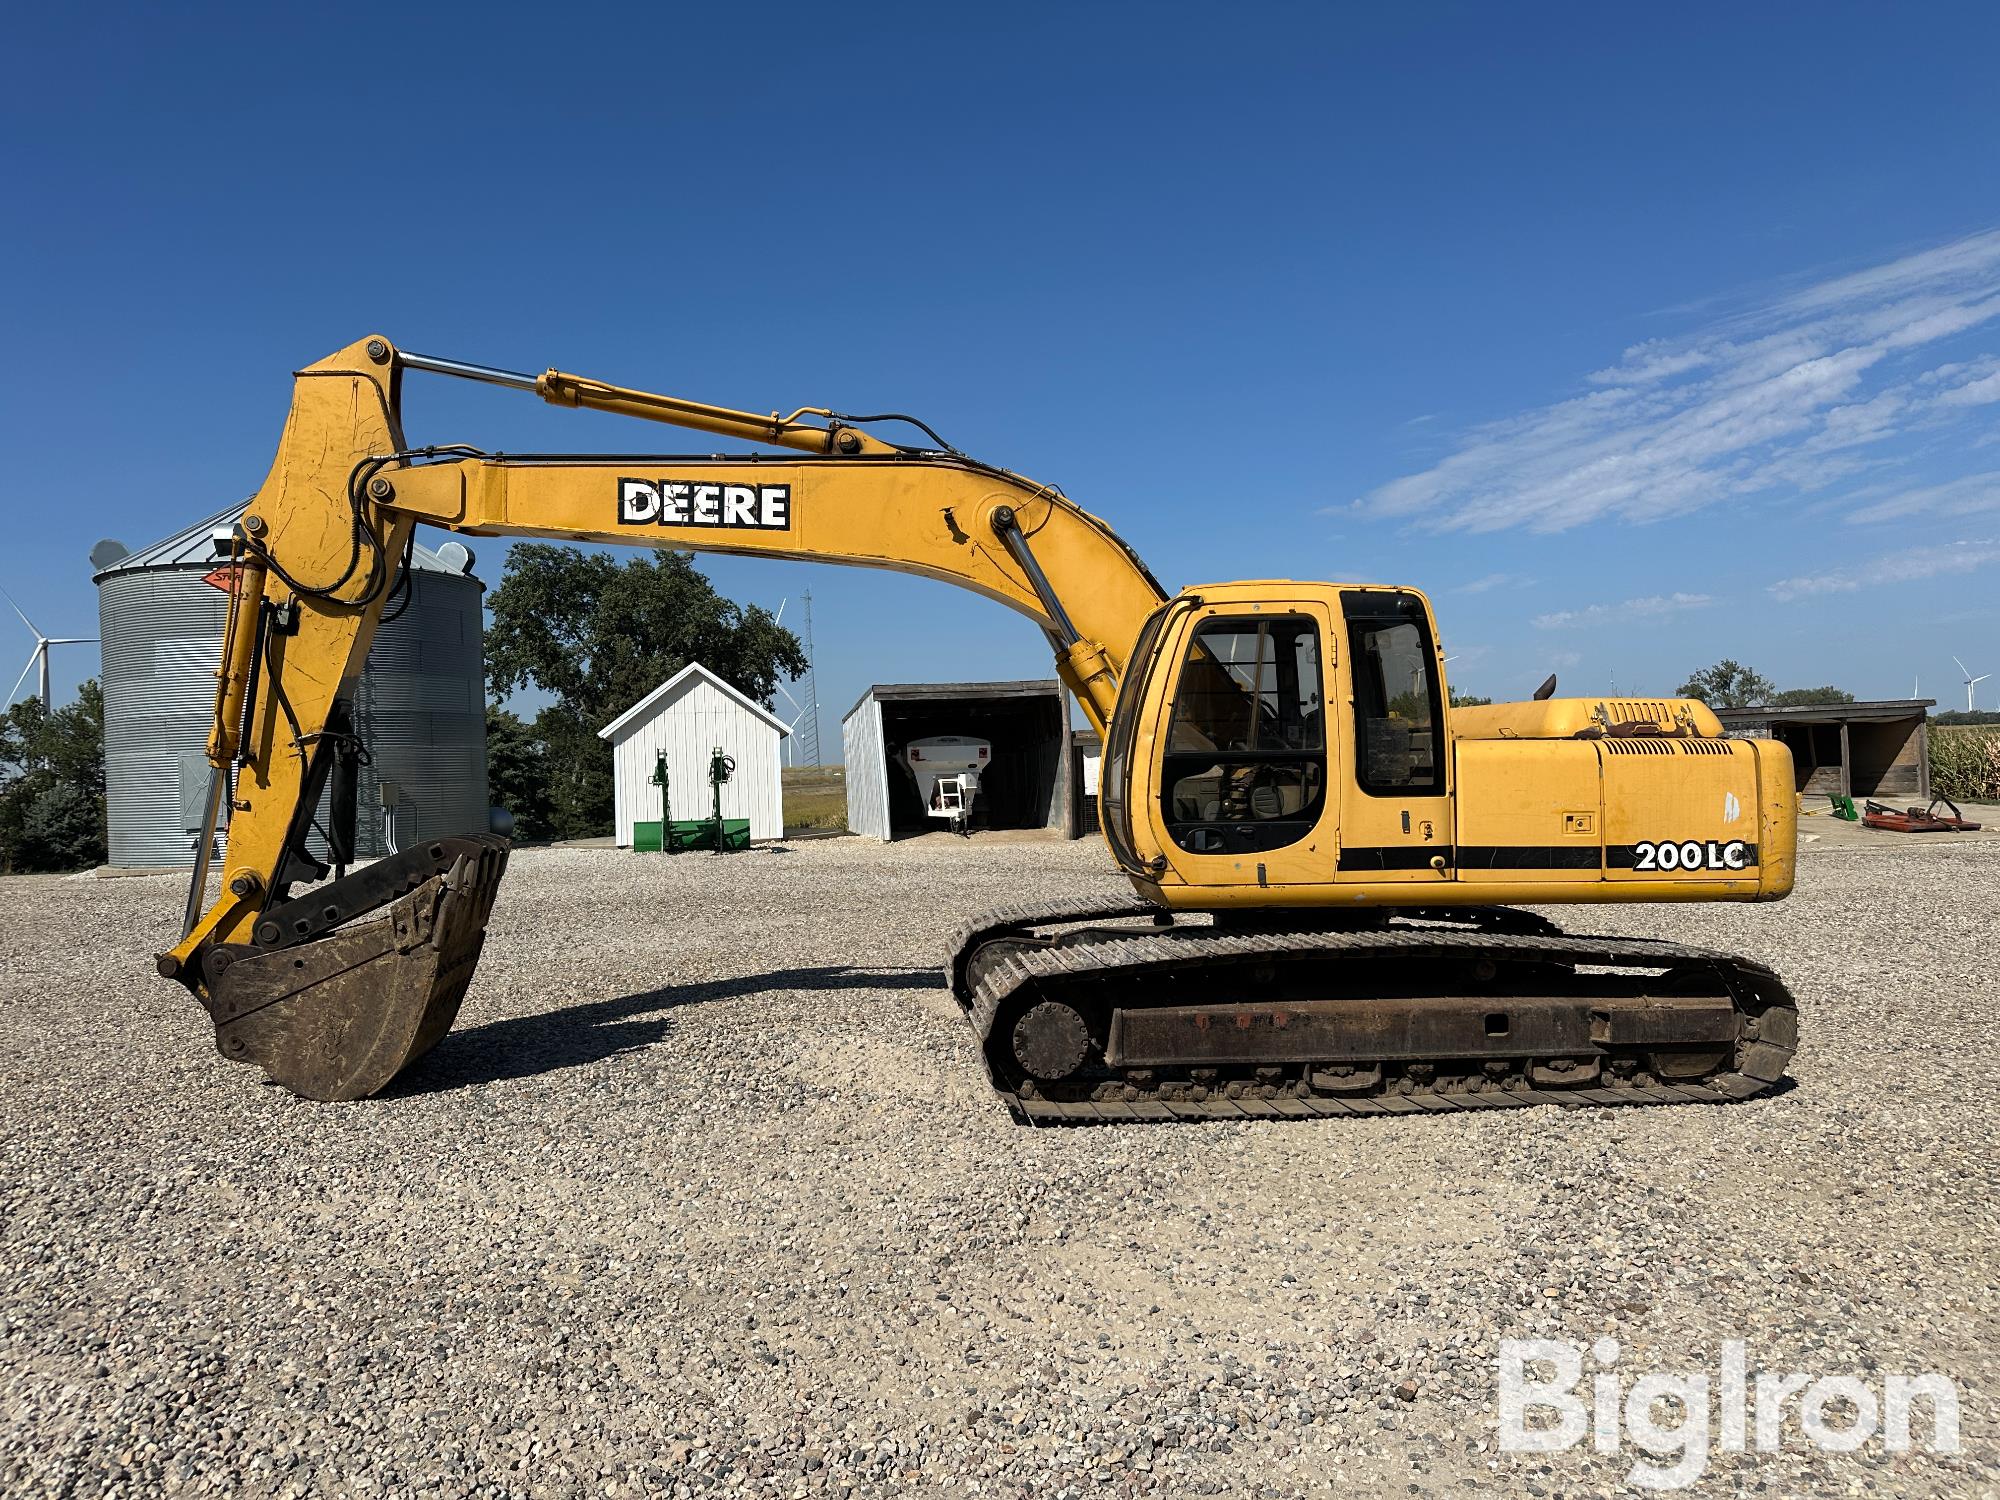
(1003, 921)
(1143, 952)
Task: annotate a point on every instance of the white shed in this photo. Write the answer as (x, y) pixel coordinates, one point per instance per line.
(688, 716)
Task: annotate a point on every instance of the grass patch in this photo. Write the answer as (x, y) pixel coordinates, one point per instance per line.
(816, 798)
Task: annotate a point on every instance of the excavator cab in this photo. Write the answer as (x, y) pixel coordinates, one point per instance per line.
(1279, 737)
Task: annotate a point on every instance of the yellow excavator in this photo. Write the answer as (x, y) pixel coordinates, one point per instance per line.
(1328, 860)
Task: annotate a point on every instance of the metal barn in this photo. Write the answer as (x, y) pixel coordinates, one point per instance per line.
(420, 704)
(1028, 785)
(688, 717)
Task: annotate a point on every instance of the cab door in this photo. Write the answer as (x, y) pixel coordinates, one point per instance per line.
(1239, 791)
(1395, 788)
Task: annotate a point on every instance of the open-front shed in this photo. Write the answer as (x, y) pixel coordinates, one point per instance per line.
(1027, 724)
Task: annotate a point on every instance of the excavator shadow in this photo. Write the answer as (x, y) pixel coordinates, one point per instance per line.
(524, 1046)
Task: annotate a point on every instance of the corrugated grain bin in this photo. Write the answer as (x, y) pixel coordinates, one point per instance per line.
(420, 705)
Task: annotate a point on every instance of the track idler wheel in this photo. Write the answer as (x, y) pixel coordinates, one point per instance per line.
(337, 1017)
(1051, 1041)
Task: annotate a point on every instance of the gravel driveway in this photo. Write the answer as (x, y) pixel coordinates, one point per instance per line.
(706, 1195)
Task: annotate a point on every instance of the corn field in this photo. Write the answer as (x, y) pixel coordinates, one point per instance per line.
(1965, 762)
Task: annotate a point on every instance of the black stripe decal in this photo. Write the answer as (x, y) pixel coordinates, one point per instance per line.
(1507, 857)
(1528, 856)
(1390, 857)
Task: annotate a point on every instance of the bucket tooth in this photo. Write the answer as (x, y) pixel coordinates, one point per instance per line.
(337, 1017)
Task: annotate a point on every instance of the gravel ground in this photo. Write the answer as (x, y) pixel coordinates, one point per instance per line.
(706, 1195)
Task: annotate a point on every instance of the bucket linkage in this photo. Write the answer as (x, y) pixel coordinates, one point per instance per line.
(340, 988)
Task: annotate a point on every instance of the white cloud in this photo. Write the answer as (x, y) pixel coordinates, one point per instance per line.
(1967, 495)
(1969, 261)
(1775, 400)
(1494, 581)
(1909, 566)
(1973, 392)
(1652, 360)
(1960, 370)
(1651, 607)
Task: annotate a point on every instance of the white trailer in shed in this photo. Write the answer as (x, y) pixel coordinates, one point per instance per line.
(688, 717)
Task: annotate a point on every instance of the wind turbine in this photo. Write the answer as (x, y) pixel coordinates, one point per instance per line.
(808, 711)
(790, 751)
(40, 656)
(798, 713)
(1971, 682)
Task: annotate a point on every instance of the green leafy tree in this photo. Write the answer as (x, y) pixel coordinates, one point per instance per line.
(597, 635)
(1468, 700)
(517, 774)
(52, 784)
(1729, 684)
(1806, 697)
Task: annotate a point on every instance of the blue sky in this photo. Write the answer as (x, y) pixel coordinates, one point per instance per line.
(1637, 338)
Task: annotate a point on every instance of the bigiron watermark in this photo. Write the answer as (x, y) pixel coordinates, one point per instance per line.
(1729, 1410)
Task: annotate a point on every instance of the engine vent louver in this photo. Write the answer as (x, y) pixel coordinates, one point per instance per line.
(1644, 746)
(1625, 710)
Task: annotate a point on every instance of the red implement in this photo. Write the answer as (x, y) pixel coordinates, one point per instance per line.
(1916, 819)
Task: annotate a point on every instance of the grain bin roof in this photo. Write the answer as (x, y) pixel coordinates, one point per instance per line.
(194, 547)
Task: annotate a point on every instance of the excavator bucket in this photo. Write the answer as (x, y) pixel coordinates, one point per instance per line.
(346, 986)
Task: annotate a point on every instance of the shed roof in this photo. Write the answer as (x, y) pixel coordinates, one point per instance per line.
(1828, 713)
(918, 692)
(668, 689)
(193, 547)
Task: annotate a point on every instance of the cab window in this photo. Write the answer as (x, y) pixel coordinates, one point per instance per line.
(1398, 728)
(1244, 767)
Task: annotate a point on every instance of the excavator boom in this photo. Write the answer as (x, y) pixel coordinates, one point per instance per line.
(1283, 785)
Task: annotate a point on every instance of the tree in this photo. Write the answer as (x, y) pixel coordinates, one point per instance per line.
(597, 636)
(52, 784)
(517, 774)
(1468, 700)
(1806, 697)
(1729, 684)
